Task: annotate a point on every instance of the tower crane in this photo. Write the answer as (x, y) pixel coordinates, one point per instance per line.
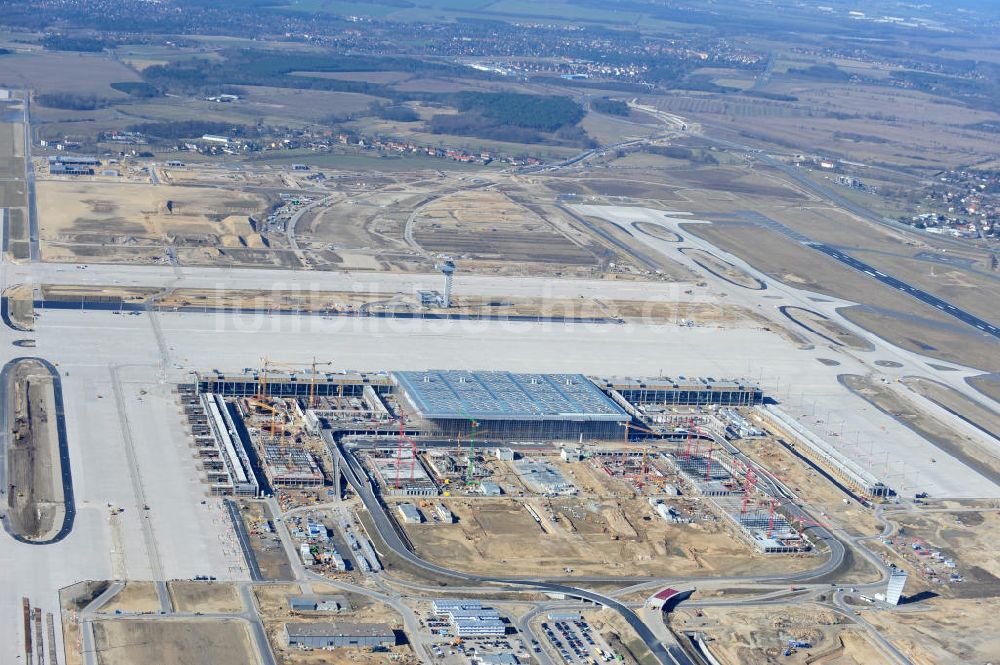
(269, 366)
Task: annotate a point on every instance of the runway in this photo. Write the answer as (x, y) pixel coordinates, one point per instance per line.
(900, 285)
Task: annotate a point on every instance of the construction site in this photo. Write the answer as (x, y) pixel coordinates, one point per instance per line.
(38, 494)
(640, 473)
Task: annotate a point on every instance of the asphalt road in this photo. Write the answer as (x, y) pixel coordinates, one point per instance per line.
(666, 654)
(244, 540)
(29, 182)
(900, 285)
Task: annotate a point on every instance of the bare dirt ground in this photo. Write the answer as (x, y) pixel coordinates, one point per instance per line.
(72, 599)
(272, 599)
(830, 329)
(969, 451)
(605, 530)
(128, 222)
(815, 490)
(939, 532)
(946, 631)
(213, 597)
(35, 494)
(173, 642)
(678, 312)
(266, 546)
(723, 269)
(273, 602)
(487, 225)
(761, 635)
(138, 597)
(941, 620)
(398, 655)
(20, 307)
(620, 637)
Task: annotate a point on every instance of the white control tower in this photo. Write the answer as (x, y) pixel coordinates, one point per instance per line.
(447, 269)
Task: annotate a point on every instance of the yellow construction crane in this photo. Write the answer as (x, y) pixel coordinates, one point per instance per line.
(269, 366)
(277, 420)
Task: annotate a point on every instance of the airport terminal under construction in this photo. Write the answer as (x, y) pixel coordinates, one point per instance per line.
(500, 434)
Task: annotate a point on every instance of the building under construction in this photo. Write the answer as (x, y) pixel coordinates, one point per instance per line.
(288, 466)
(399, 471)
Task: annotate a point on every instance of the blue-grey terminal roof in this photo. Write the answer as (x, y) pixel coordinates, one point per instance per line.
(440, 394)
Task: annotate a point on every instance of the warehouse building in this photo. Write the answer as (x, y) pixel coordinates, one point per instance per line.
(410, 513)
(505, 406)
(318, 604)
(326, 635)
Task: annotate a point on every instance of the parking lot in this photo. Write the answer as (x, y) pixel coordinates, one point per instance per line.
(577, 643)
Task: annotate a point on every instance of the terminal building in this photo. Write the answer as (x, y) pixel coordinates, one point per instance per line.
(683, 391)
(505, 406)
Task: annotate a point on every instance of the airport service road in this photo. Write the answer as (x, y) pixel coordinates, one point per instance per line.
(363, 282)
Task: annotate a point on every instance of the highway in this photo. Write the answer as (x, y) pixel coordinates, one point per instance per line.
(899, 285)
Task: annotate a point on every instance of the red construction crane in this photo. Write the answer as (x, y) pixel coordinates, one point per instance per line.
(770, 522)
(401, 446)
(643, 475)
(748, 486)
